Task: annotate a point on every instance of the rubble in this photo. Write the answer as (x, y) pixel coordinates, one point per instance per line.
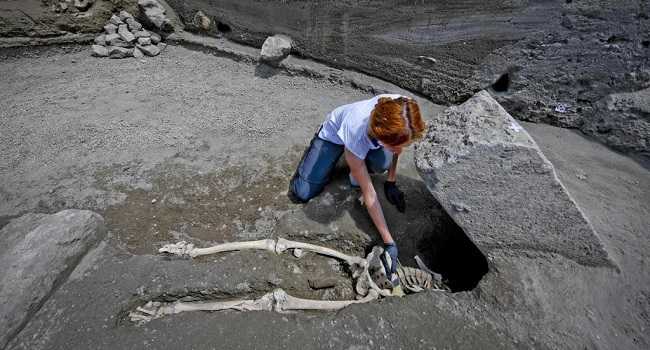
(125, 37)
(99, 51)
(119, 52)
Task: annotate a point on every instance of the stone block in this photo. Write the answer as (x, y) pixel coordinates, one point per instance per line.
(493, 180)
(37, 251)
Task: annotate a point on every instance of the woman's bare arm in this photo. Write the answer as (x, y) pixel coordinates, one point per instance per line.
(360, 173)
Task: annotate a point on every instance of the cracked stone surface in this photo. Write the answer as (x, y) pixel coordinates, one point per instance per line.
(37, 252)
(493, 179)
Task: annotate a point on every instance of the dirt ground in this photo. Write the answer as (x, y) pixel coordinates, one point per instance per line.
(190, 146)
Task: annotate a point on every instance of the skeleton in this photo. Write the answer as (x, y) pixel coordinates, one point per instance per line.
(370, 275)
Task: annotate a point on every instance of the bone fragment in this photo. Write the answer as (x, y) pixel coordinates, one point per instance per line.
(436, 276)
(355, 262)
(298, 253)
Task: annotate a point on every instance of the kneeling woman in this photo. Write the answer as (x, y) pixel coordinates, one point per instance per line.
(371, 134)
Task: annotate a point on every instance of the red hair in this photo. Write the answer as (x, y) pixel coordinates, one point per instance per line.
(395, 122)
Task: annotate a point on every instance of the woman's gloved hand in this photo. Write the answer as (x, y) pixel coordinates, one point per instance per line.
(390, 253)
(394, 195)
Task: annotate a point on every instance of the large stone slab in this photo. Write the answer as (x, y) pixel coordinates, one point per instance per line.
(38, 252)
(491, 177)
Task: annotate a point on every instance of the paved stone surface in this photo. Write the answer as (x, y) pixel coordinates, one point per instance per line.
(491, 177)
(37, 252)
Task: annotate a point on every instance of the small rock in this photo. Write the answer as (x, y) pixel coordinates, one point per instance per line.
(155, 38)
(124, 15)
(115, 20)
(63, 6)
(119, 52)
(120, 43)
(460, 207)
(99, 51)
(149, 50)
(154, 13)
(562, 108)
(133, 24)
(427, 59)
(110, 37)
(125, 34)
(142, 34)
(161, 46)
(100, 39)
(144, 41)
(275, 48)
(83, 5)
(110, 28)
(138, 54)
(153, 201)
(202, 21)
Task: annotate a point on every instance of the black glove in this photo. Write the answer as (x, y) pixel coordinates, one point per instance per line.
(390, 250)
(394, 195)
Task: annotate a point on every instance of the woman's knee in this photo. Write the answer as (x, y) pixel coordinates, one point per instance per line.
(302, 190)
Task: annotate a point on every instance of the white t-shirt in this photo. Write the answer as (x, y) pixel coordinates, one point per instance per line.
(348, 125)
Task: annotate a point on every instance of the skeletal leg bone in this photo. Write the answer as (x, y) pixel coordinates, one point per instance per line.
(356, 263)
(183, 248)
(277, 300)
(285, 302)
(153, 310)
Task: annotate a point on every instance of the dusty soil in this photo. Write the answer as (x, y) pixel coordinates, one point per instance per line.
(215, 142)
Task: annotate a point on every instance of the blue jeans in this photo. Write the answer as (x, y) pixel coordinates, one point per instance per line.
(318, 162)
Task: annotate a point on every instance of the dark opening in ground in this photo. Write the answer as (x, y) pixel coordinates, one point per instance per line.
(448, 251)
(222, 27)
(502, 84)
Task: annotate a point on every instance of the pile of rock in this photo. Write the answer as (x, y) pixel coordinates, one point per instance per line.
(125, 37)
